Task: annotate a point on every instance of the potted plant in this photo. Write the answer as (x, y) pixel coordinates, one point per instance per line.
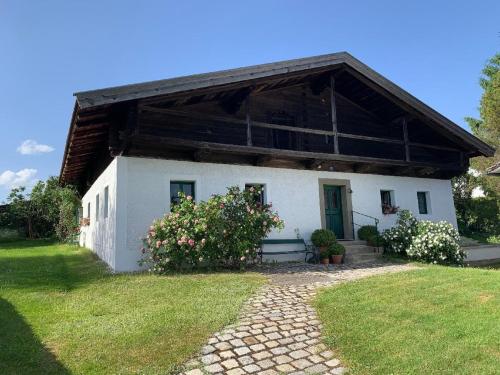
(324, 257)
(337, 252)
(322, 239)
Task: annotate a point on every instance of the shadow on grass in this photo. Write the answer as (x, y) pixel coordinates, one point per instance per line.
(20, 350)
(48, 271)
(13, 244)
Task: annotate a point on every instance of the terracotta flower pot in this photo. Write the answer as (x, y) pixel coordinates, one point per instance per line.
(337, 259)
(325, 261)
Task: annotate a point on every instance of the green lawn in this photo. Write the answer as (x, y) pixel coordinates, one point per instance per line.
(435, 320)
(61, 312)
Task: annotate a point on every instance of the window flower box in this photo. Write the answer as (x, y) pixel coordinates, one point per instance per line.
(84, 221)
(387, 209)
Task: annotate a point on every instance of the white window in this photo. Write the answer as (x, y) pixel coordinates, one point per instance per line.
(88, 210)
(185, 187)
(106, 201)
(423, 202)
(97, 207)
(262, 196)
(388, 202)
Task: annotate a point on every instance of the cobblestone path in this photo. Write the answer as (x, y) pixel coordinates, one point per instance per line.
(278, 331)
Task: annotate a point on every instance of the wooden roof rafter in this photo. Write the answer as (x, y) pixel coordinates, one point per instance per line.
(93, 109)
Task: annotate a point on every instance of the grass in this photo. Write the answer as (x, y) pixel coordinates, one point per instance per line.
(62, 312)
(435, 320)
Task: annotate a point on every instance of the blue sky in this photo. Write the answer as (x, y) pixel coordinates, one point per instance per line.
(51, 49)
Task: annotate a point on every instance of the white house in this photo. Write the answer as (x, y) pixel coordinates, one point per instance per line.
(334, 144)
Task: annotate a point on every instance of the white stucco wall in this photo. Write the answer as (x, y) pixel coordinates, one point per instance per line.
(143, 190)
(103, 234)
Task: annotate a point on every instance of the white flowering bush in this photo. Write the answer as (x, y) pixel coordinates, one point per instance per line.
(436, 243)
(399, 238)
(424, 240)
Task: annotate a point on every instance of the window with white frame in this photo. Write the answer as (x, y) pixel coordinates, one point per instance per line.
(185, 187)
(262, 195)
(97, 207)
(388, 202)
(88, 210)
(106, 201)
(423, 202)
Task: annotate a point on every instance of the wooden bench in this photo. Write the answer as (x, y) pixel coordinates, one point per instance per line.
(308, 249)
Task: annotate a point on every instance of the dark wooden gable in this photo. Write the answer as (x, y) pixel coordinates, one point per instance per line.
(324, 119)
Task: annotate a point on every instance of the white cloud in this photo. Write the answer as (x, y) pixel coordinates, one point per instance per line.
(30, 147)
(23, 177)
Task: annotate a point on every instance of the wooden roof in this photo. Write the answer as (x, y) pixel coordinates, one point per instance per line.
(90, 122)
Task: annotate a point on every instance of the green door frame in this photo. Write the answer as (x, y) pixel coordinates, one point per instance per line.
(346, 197)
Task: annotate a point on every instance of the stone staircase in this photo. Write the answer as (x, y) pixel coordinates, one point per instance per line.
(358, 252)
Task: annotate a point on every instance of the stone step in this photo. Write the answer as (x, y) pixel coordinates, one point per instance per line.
(355, 253)
(347, 243)
(361, 258)
(358, 247)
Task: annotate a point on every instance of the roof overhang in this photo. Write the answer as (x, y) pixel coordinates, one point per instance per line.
(90, 103)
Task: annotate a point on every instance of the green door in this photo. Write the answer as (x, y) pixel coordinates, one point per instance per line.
(333, 210)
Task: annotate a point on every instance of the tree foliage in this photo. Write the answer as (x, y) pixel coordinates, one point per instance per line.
(482, 214)
(48, 210)
(487, 127)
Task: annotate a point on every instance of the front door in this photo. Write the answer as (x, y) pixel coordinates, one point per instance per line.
(333, 210)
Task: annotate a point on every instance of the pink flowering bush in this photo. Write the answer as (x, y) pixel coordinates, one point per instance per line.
(226, 231)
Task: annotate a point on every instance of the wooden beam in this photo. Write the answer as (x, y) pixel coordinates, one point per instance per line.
(400, 98)
(192, 88)
(362, 109)
(363, 168)
(435, 147)
(334, 115)
(370, 138)
(405, 137)
(236, 121)
(248, 120)
(316, 164)
(201, 155)
(87, 128)
(263, 161)
(179, 143)
(258, 124)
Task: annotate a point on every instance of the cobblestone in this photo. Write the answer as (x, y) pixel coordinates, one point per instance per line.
(278, 331)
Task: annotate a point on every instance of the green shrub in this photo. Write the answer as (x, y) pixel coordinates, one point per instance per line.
(7, 234)
(226, 230)
(375, 240)
(323, 237)
(336, 249)
(478, 215)
(436, 243)
(367, 231)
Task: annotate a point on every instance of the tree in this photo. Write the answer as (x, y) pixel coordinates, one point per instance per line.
(48, 210)
(487, 127)
(21, 210)
(482, 214)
